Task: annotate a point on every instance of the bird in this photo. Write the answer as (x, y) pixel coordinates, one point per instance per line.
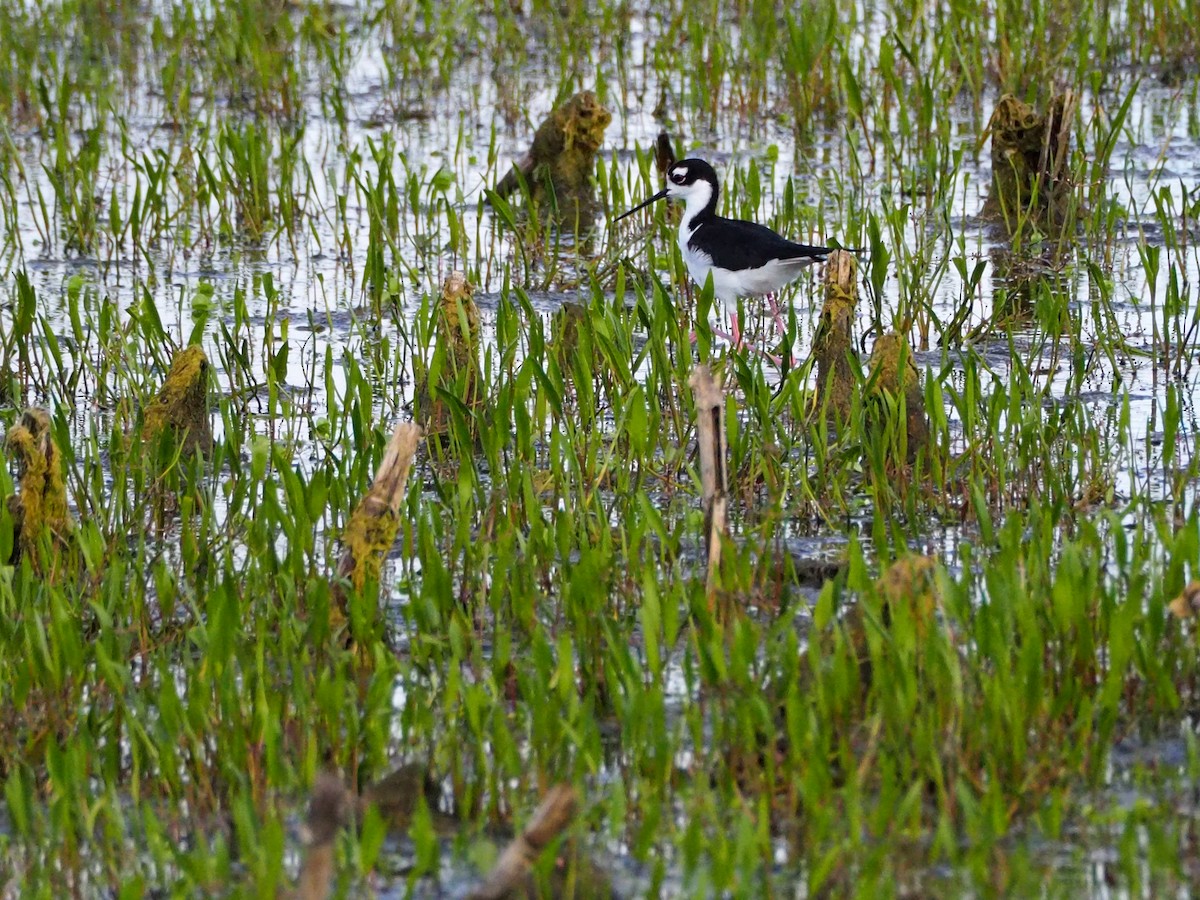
(745, 259)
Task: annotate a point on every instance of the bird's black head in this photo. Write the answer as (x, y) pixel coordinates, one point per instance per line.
(690, 180)
(688, 172)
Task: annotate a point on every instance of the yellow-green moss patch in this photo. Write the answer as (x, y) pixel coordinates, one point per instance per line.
(181, 407)
(41, 500)
(893, 374)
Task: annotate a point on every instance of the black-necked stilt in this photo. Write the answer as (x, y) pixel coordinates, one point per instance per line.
(745, 259)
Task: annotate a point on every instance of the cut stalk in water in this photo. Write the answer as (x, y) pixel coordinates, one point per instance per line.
(371, 531)
(550, 819)
(327, 812)
(664, 153)
(714, 474)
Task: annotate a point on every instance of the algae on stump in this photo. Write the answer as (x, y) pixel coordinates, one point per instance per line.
(455, 365)
(891, 351)
(1187, 604)
(911, 583)
(1029, 162)
(41, 501)
(397, 796)
(565, 338)
(833, 345)
(560, 164)
(181, 407)
(907, 591)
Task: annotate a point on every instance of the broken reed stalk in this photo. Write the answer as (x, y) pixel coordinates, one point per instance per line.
(369, 535)
(327, 812)
(714, 475)
(664, 153)
(371, 531)
(549, 820)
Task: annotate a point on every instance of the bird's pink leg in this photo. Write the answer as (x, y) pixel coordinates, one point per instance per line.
(734, 336)
(777, 313)
(737, 340)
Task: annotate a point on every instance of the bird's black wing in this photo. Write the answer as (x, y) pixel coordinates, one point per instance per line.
(748, 245)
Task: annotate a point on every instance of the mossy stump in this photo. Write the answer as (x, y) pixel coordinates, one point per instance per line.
(40, 504)
(1029, 163)
(906, 591)
(180, 411)
(454, 367)
(1187, 604)
(833, 345)
(566, 325)
(397, 795)
(559, 165)
(911, 582)
(894, 374)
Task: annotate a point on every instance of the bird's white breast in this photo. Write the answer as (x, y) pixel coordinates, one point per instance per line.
(698, 262)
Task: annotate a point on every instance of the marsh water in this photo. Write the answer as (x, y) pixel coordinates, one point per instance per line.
(446, 147)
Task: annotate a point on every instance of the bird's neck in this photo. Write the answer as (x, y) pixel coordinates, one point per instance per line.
(701, 206)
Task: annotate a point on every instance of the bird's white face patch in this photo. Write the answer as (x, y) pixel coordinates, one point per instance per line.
(695, 197)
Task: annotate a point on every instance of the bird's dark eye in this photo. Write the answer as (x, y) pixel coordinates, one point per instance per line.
(679, 176)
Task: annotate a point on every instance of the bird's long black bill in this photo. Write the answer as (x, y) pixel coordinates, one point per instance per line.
(659, 196)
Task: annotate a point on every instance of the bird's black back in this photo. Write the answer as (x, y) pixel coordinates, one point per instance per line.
(737, 244)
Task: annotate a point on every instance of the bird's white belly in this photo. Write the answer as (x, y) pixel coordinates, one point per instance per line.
(730, 284)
